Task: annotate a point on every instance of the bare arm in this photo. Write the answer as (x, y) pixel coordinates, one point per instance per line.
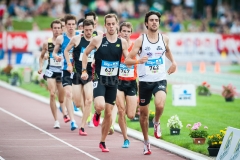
(169, 55)
(124, 47)
(41, 58)
(99, 32)
(136, 47)
(57, 47)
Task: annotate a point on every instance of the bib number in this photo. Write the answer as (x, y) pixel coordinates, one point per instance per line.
(54, 62)
(48, 73)
(90, 55)
(109, 68)
(125, 71)
(154, 66)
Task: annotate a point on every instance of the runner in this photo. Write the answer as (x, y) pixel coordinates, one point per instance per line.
(109, 49)
(93, 16)
(80, 24)
(83, 88)
(67, 78)
(127, 87)
(53, 72)
(151, 72)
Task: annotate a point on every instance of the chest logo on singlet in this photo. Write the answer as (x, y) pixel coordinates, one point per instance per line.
(105, 44)
(159, 48)
(90, 55)
(109, 68)
(147, 48)
(117, 45)
(154, 66)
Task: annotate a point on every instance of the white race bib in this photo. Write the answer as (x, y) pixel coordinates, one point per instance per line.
(48, 73)
(154, 66)
(109, 68)
(90, 55)
(54, 62)
(124, 71)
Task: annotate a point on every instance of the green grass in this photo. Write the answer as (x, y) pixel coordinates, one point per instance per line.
(235, 71)
(211, 111)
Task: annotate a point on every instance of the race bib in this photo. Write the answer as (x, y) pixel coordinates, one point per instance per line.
(95, 84)
(154, 66)
(109, 68)
(72, 74)
(54, 62)
(90, 55)
(124, 71)
(48, 73)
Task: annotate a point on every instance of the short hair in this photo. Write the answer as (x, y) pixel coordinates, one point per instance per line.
(126, 24)
(110, 15)
(69, 17)
(80, 21)
(152, 13)
(91, 14)
(56, 21)
(62, 19)
(88, 22)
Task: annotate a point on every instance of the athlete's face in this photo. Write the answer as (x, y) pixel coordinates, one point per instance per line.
(71, 25)
(92, 18)
(153, 23)
(63, 26)
(111, 25)
(56, 29)
(88, 31)
(125, 33)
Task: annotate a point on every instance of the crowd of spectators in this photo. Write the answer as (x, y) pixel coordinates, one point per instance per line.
(178, 15)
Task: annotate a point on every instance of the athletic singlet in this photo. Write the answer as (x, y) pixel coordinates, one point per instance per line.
(126, 73)
(154, 69)
(54, 65)
(65, 42)
(78, 53)
(107, 59)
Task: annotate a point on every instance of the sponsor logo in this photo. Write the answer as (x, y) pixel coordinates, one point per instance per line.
(17, 41)
(161, 87)
(93, 35)
(159, 48)
(147, 49)
(185, 95)
(149, 54)
(226, 147)
(142, 100)
(236, 151)
(105, 44)
(117, 45)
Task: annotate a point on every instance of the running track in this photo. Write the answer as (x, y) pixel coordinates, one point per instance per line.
(26, 133)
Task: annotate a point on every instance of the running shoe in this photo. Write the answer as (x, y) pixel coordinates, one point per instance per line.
(75, 108)
(126, 144)
(82, 132)
(66, 118)
(60, 108)
(56, 125)
(103, 147)
(73, 126)
(157, 129)
(111, 130)
(146, 149)
(96, 119)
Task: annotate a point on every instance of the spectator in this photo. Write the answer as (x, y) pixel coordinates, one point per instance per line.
(176, 26)
(8, 24)
(35, 26)
(235, 29)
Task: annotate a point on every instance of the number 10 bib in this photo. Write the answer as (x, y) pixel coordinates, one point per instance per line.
(109, 68)
(154, 66)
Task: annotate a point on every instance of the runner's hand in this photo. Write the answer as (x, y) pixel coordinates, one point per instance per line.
(143, 60)
(172, 68)
(84, 76)
(58, 58)
(40, 71)
(70, 69)
(46, 56)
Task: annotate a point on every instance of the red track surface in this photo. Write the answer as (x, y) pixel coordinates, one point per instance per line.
(20, 141)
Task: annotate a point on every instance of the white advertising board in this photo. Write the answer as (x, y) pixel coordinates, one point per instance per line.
(184, 95)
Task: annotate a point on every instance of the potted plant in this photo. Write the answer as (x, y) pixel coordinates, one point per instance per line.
(214, 142)
(229, 92)
(150, 118)
(15, 79)
(175, 125)
(198, 133)
(204, 89)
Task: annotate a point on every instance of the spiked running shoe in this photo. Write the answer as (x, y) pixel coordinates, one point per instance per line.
(111, 130)
(82, 132)
(66, 118)
(103, 147)
(146, 149)
(73, 126)
(96, 119)
(126, 144)
(157, 130)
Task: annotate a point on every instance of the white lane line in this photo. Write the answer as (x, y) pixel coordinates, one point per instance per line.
(49, 134)
(1, 158)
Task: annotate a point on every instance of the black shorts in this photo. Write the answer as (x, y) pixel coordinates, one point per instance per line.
(79, 80)
(109, 92)
(67, 79)
(128, 87)
(146, 89)
(55, 75)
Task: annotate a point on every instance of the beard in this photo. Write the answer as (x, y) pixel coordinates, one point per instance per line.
(153, 30)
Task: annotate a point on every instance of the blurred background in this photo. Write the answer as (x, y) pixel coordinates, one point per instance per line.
(204, 34)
